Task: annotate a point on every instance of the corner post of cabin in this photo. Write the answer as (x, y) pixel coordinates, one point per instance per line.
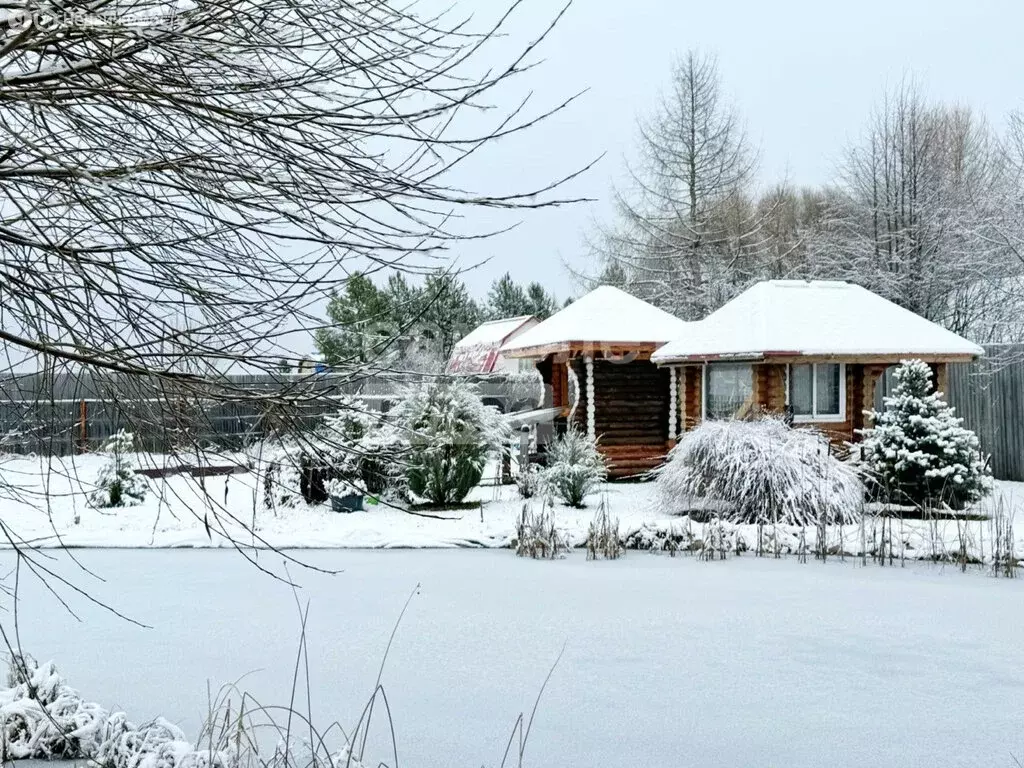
(588, 361)
(871, 375)
(672, 405)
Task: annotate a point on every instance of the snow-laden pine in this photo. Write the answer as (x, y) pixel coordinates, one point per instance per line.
(762, 471)
(918, 451)
(117, 483)
(449, 431)
(575, 468)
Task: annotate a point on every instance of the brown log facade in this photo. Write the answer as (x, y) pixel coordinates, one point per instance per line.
(769, 396)
(632, 404)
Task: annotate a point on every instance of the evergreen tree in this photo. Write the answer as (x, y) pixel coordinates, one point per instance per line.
(361, 324)
(450, 432)
(918, 452)
(614, 275)
(542, 304)
(448, 312)
(405, 303)
(507, 299)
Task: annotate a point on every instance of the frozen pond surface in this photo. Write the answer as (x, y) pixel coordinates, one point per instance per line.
(667, 662)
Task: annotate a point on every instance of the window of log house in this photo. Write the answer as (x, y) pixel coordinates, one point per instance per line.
(817, 391)
(728, 389)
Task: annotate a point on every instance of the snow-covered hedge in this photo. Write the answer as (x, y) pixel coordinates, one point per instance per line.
(449, 431)
(764, 471)
(117, 484)
(575, 468)
(918, 450)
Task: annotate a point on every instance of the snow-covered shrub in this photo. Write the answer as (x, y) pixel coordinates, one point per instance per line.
(357, 448)
(603, 536)
(537, 536)
(383, 459)
(449, 431)
(764, 472)
(157, 744)
(117, 484)
(43, 718)
(575, 468)
(918, 452)
(661, 538)
(530, 481)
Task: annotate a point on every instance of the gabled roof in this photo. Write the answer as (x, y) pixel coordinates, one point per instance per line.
(790, 318)
(606, 316)
(478, 351)
(493, 332)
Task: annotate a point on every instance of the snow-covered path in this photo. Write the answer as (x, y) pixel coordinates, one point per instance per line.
(667, 661)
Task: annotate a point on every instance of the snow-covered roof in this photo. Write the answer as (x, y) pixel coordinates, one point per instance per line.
(479, 350)
(779, 318)
(493, 332)
(606, 315)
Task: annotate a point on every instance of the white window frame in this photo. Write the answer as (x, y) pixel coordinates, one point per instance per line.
(704, 383)
(814, 417)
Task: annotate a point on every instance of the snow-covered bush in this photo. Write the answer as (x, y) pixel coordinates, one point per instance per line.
(43, 718)
(537, 536)
(764, 472)
(575, 468)
(117, 484)
(362, 449)
(449, 431)
(530, 481)
(918, 452)
(359, 449)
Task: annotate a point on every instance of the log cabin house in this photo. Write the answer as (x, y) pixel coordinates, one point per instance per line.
(813, 350)
(595, 358)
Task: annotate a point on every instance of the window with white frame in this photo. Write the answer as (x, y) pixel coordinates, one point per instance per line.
(817, 391)
(728, 389)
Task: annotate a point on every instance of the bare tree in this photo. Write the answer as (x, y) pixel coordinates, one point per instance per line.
(914, 221)
(687, 233)
(184, 184)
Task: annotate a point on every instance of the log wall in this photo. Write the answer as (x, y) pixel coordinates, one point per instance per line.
(631, 402)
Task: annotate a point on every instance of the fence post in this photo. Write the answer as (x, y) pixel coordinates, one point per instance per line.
(83, 434)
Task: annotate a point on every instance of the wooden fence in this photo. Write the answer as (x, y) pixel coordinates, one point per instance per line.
(64, 414)
(989, 396)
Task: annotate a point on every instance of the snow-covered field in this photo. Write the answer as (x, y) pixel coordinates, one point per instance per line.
(667, 661)
(49, 509)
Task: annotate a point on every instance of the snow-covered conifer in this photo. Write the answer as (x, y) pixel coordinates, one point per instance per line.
(117, 484)
(449, 431)
(918, 451)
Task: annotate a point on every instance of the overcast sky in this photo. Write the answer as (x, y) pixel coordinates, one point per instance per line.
(804, 75)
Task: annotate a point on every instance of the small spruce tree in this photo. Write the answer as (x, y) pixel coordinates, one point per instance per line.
(918, 451)
(117, 484)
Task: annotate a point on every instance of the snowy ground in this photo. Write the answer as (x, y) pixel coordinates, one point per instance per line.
(667, 661)
(48, 509)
